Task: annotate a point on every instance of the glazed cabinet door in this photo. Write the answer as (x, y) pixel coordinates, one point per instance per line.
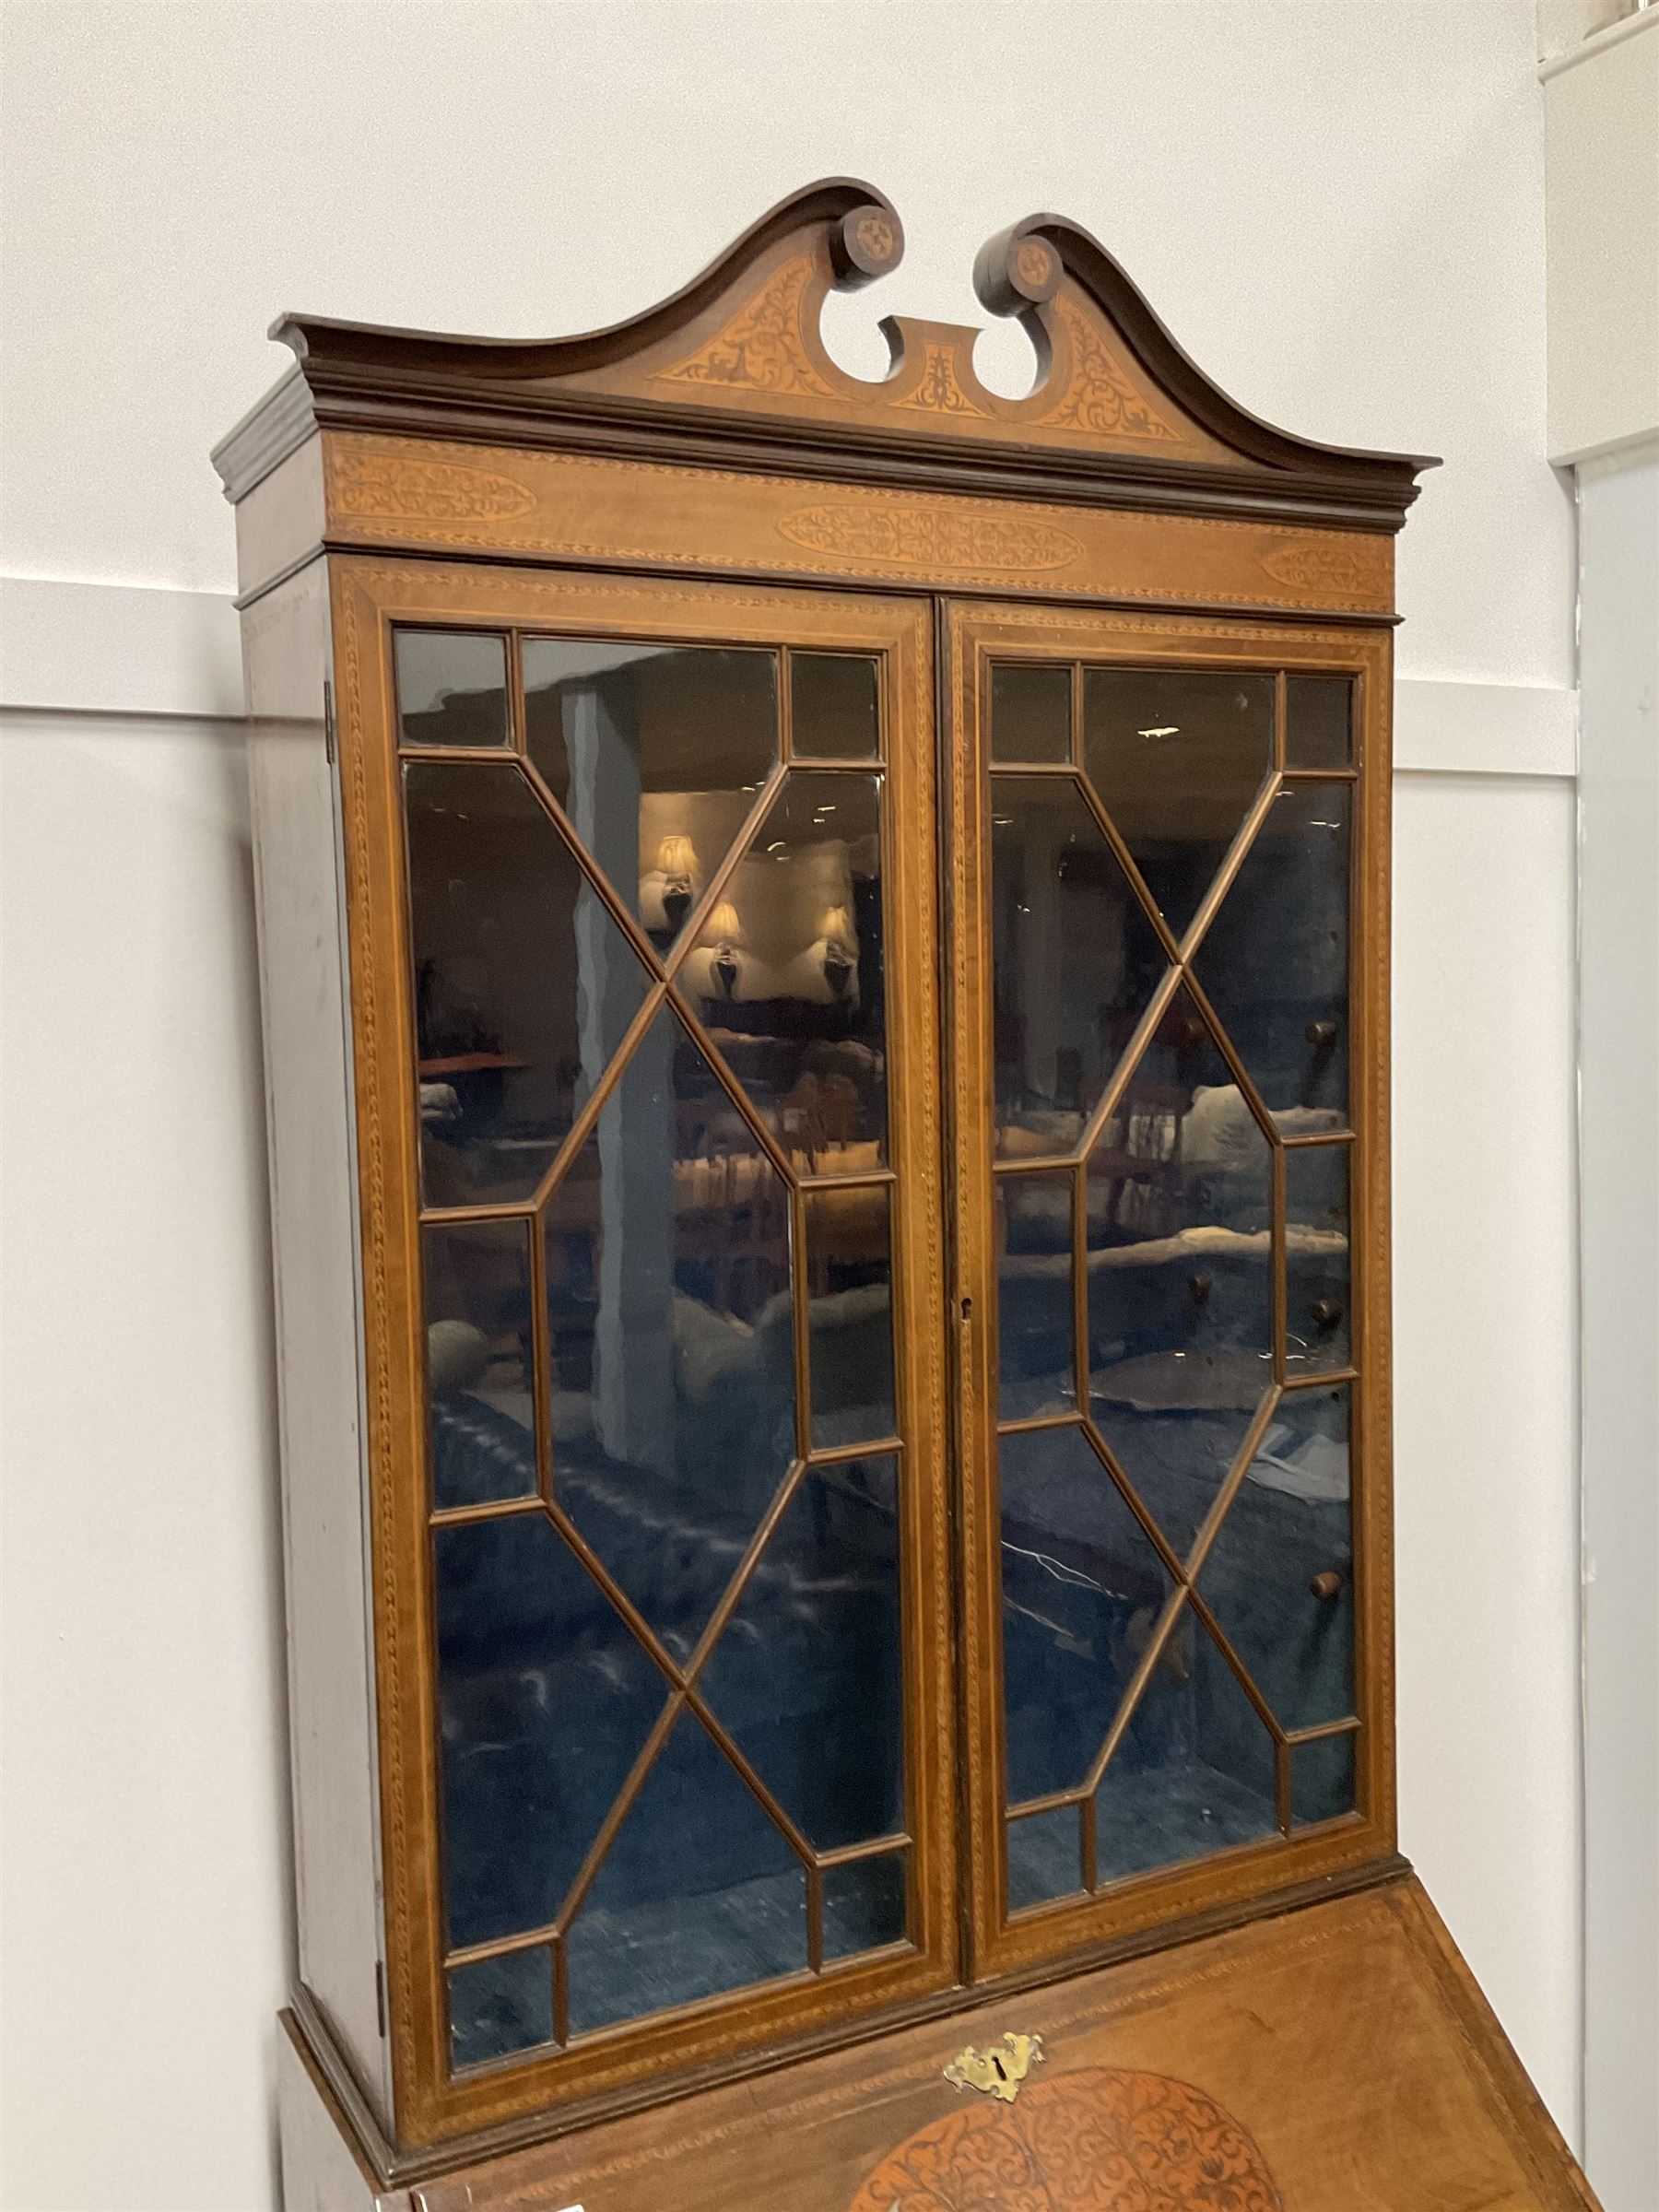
(641, 898)
(1168, 1021)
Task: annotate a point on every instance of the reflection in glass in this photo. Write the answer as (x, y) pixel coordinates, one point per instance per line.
(1317, 1263)
(792, 980)
(669, 1307)
(452, 686)
(656, 753)
(475, 1276)
(1075, 962)
(501, 2005)
(806, 1675)
(1319, 718)
(834, 704)
(1196, 1772)
(1177, 757)
(1030, 711)
(524, 983)
(1322, 1778)
(864, 1905)
(1035, 1323)
(1083, 1587)
(850, 1314)
(545, 1701)
(699, 1894)
(1280, 1575)
(1274, 961)
(1179, 1272)
(1045, 1857)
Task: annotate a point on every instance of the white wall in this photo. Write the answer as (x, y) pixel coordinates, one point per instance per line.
(1618, 922)
(1338, 208)
(1601, 113)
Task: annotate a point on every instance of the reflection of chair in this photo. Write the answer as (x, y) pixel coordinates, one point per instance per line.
(1139, 1164)
(743, 1223)
(821, 1111)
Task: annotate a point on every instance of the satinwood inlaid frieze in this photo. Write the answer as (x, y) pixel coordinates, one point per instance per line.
(929, 539)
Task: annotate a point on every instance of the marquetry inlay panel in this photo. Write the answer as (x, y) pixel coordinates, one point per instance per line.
(627, 513)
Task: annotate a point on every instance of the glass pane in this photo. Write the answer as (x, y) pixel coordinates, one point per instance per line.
(1317, 1331)
(1177, 757)
(501, 2005)
(697, 1894)
(850, 1315)
(1195, 1773)
(1274, 961)
(1179, 1272)
(1082, 1589)
(1031, 712)
(834, 700)
(790, 972)
(673, 1365)
(1075, 962)
(864, 1905)
(1319, 717)
(480, 1368)
(545, 1700)
(655, 752)
(1045, 1857)
(452, 686)
(1280, 1575)
(807, 1675)
(524, 983)
(1036, 1326)
(1322, 1778)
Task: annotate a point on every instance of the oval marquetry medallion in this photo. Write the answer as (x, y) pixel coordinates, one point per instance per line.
(391, 487)
(933, 539)
(1096, 2141)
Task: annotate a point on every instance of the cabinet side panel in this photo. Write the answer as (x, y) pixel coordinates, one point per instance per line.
(320, 2171)
(314, 1205)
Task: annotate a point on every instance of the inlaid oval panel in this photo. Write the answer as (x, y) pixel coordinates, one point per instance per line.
(1101, 2140)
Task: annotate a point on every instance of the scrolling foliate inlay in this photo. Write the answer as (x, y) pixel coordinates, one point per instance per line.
(1104, 2139)
(933, 540)
(940, 389)
(1099, 398)
(392, 486)
(1313, 567)
(763, 349)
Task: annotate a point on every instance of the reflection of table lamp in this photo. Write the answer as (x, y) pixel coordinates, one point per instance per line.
(727, 932)
(675, 861)
(838, 945)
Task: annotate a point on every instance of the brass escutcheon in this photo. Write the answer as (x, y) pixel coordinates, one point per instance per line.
(999, 2071)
